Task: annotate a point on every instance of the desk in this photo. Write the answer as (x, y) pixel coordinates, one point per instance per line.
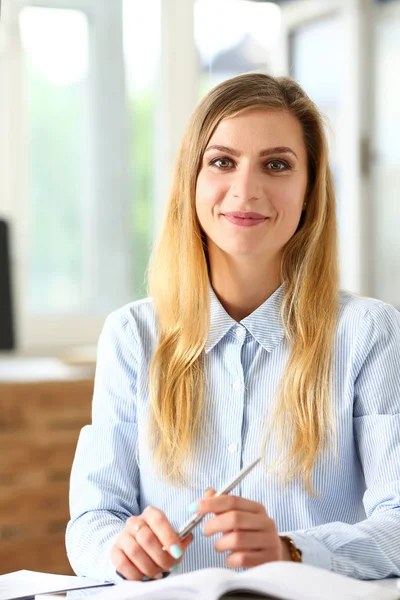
(43, 406)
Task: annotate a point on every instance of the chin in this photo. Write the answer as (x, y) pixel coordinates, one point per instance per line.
(241, 251)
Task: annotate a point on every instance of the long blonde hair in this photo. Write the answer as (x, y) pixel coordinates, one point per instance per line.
(179, 286)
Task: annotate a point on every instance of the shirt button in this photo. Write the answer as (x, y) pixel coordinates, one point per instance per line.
(240, 331)
(232, 448)
(236, 385)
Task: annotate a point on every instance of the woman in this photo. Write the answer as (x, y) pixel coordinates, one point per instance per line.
(246, 342)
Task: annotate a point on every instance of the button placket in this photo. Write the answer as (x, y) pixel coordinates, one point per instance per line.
(233, 448)
(240, 331)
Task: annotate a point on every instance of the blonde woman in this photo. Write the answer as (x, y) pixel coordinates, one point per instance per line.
(245, 342)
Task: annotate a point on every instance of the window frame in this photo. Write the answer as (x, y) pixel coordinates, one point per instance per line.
(51, 333)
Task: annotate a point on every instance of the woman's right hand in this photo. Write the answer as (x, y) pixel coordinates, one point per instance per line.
(138, 554)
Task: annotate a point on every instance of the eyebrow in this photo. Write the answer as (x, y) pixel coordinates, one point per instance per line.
(266, 152)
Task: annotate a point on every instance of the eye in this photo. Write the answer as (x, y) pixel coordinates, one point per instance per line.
(278, 165)
(222, 163)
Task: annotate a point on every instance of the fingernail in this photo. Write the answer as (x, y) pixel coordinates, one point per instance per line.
(145, 578)
(175, 551)
(207, 490)
(194, 507)
(158, 576)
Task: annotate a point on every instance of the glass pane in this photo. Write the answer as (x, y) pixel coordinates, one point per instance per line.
(235, 36)
(386, 170)
(55, 44)
(142, 31)
(316, 53)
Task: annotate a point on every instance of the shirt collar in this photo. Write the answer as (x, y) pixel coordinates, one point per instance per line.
(264, 324)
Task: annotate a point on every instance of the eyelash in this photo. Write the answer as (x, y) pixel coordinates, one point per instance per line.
(287, 166)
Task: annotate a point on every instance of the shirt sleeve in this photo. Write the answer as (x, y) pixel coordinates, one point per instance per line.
(104, 488)
(369, 549)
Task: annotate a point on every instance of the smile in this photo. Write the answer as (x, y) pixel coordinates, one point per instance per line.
(244, 219)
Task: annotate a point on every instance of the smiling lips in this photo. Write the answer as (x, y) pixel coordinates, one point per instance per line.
(244, 219)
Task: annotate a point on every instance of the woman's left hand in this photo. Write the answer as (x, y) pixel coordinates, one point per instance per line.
(248, 534)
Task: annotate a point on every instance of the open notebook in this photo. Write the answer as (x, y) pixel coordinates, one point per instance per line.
(280, 580)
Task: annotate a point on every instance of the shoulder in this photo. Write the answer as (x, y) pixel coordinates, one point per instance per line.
(357, 311)
(134, 322)
(367, 322)
(136, 315)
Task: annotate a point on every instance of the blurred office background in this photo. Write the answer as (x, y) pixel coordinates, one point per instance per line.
(95, 95)
(94, 98)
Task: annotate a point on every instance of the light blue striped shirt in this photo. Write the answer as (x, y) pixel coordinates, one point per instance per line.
(351, 526)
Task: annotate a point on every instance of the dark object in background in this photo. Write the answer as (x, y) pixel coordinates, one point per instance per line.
(6, 314)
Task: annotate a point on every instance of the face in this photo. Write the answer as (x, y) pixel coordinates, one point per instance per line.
(252, 184)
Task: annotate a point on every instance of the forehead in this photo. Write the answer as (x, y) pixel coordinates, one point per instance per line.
(261, 128)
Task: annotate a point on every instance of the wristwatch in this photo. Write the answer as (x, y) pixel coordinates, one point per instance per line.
(295, 553)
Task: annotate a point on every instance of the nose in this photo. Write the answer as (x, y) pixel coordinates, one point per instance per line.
(246, 184)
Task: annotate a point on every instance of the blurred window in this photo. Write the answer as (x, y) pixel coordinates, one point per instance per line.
(80, 215)
(386, 156)
(55, 44)
(316, 61)
(88, 206)
(233, 37)
(142, 47)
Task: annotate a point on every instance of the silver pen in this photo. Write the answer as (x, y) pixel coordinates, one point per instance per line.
(196, 519)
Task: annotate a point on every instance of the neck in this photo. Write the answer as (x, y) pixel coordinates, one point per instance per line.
(242, 285)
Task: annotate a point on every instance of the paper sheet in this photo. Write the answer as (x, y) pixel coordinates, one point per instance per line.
(25, 584)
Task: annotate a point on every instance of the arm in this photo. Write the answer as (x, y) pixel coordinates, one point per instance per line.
(104, 489)
(369, 549)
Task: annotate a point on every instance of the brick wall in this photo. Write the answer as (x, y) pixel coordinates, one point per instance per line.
(39, 428)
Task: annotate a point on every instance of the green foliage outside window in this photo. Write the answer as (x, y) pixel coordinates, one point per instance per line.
(56, 144)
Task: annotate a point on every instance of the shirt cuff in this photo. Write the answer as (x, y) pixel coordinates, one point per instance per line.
(312, 551)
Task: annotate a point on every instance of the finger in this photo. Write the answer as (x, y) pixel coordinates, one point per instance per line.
(236, 541)
(151, 545)
(238, 521)
(195, 506)
(124, 566)
(186, 542)
(164, 531)
(249, 559)
(220, 504)
(134, 524)
(139, 557)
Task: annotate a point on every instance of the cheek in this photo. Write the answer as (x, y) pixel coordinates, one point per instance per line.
(288, 198)
(208, 192)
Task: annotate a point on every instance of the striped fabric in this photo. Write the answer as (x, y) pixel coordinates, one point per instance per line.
(351, 525)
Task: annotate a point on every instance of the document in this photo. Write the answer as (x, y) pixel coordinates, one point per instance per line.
(275, 580)
(25, 584)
